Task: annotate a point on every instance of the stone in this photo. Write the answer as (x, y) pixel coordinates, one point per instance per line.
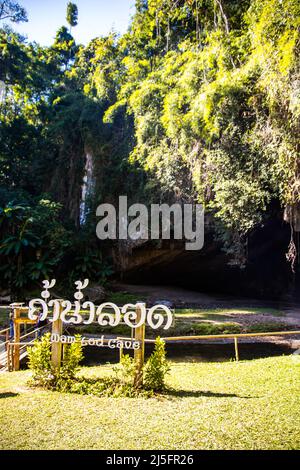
(5, 300)
(166, 303)
(95, 294)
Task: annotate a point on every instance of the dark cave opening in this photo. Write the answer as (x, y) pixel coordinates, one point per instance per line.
(267, 274)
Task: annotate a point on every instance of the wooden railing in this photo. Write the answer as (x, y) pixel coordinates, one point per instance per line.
(16, 347)
(233, 336)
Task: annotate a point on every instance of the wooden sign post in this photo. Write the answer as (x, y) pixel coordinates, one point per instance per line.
(14, 348)
(17, 329)
(139, 354)
(56, 348)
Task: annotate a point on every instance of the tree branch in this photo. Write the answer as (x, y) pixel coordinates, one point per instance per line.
(223, 16)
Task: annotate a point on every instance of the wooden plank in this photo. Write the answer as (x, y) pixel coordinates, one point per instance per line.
(121, 351)
(139, 354)
(236, 349)
(16, 348)
(24, 321)
(9, 358)
(56, 348)
(19, 306)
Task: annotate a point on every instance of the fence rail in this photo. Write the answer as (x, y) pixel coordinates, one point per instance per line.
(233, 336)
(17, 349)
(4, 331)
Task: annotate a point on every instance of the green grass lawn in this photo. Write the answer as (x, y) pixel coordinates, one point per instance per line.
(205, 322)
(245, 405)
(4, 313)
(222, 313)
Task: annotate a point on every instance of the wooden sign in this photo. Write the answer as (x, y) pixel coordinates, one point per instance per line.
(100, 342)
(76, 312)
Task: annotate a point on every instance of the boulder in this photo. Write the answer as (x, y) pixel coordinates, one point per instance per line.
(5, 300)
(95, 294)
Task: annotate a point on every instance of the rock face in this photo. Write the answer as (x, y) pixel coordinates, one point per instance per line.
(142, 254)
(267, 273)
(88, 186)
(292, 216)
(66, 182)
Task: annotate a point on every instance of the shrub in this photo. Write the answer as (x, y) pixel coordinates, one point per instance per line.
(156, 368)
(263, 327)
(120, 384)
(40, 363)
(44, 375)
(73, 355)
(124, 371)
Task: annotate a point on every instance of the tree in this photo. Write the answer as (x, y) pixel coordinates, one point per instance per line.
(198, 101)
(12, 11)
(72, 14)
(64, 47)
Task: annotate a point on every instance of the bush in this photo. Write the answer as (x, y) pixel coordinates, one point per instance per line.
(44, 374)
(40, 363)
(125, 370)
(156, 368)
(121, 384)
(73, 355)
(264, 327)
(64, 379)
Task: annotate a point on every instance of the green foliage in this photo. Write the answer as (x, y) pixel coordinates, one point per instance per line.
(32, 241)
(220, 103)
(122, 298)
(34, 245)
(72, 14)
(267, 326)
(204, 409)
(119, 384)
(73, 355)
(87, 263)
(43, 373)
(198, 101)
(40, 363)
(205, 328)
(156, 368)
(66, 379)
(12, 11)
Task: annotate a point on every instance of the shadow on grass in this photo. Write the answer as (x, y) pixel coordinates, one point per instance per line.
(196, 394)
(8, 395)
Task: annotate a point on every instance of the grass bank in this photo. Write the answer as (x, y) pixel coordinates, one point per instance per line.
(246, 405)
(207, 322)
(197, 322)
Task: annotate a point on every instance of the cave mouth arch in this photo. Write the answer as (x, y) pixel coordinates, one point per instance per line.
(267, 273)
